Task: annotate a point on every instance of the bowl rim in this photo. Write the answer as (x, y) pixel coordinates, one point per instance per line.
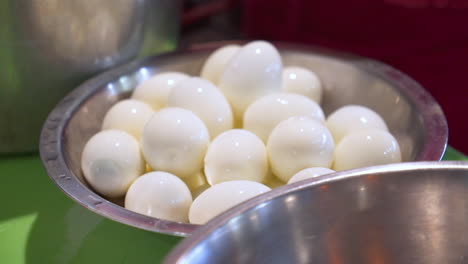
(52, 133)
(186, 245)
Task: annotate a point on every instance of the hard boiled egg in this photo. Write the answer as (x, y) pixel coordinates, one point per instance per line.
(236, 154)
(298, 143)
(175, 140)
(309, 173)
(254, 71)
(156, 89)
(161, 195)
(220, 197)
(267, 112)
(129, 116)
(216, 63)
(206, 101)
(351, 118)
(302, 81)
(111, 161)
(366, 148)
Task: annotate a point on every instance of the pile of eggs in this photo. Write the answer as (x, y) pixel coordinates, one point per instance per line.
(188, 148)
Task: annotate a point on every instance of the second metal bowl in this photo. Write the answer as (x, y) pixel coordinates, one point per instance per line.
(415, 213)
(411, 114)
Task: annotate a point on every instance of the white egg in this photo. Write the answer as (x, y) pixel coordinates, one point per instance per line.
(156, 89)
(236, 154)
(366, 148)
(267, 112)
(254, 71)
(221, 197)
(175, 140)
(129, 116)
(351, 118)
(160, 195)
(111, 161)
(206, 101)
(302, 81)
(216, 63)
(309, 173)
(298, 143)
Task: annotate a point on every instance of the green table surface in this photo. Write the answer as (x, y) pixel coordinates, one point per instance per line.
(40, 224)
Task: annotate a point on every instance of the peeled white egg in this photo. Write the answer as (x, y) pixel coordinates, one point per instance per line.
(221, 197)
(216, 63)
(156, 89)
(129, 116)
(236, 154)
(206, 101)
(309, 173)
(302, 81)
(175, 140)
(351, 118)
(111, 161)
(366, 148)
(161, 195)
(267, 112)
(298, 143)
(254, 71)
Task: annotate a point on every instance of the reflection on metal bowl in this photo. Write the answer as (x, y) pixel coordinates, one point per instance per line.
(47, 47)
(400, 213)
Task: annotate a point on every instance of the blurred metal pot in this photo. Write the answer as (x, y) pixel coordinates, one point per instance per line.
(47, 47)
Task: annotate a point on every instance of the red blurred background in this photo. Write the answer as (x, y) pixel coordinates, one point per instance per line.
(427, 39)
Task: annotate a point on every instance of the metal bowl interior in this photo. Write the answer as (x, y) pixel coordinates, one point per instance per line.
(411, 114)
(400, 213)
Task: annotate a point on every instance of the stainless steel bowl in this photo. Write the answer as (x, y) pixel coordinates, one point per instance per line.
(400, 213)
(48, 47)
(411, 113)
